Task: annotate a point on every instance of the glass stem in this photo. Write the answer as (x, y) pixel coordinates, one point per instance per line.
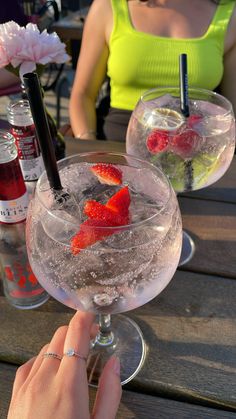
(105, 336)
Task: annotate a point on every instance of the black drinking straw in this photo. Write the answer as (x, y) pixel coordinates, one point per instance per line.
(33, 90)
(184, 107)
(183, 84)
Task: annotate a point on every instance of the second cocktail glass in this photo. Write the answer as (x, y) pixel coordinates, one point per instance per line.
(193, 152)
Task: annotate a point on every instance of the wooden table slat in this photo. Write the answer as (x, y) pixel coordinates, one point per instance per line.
(212, 226)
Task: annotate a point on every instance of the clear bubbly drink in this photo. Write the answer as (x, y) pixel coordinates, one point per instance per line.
(128, 265)
(193, 152)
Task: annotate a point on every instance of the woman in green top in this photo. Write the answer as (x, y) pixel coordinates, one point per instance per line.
(137, 44)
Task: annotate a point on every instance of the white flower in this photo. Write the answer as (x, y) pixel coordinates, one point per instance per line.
(24, 47)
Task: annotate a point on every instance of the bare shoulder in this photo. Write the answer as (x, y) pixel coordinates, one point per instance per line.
(101, 8)
(100, 15)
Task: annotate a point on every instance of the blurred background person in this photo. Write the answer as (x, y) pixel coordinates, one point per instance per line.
(137, 44)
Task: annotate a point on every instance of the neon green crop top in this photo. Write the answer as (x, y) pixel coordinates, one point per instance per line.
(139, 61)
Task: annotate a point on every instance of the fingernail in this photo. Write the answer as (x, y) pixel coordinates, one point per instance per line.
(115, 365)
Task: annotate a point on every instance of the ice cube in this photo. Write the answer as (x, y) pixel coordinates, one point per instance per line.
(214, 120)
(60, 225)
(160, 101)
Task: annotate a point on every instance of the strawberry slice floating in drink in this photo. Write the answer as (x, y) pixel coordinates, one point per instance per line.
(187, 143)
(157, 141)
(90, 232)
(166, 121)
(107, 173)
(114, 213)
(97, 211)
(120, 201)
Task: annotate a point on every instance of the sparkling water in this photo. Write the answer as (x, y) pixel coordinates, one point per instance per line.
(122, 271)
(209, 141)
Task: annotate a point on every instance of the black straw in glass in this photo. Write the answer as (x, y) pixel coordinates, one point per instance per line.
(34, 93)
(183, 84)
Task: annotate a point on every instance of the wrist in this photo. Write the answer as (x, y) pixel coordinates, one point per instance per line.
(86, 135)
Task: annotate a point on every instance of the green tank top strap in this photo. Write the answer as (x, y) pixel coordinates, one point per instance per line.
(221, 20)
(120, 15)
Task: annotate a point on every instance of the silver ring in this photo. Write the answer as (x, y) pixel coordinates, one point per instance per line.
(72, 352)
(52, 355)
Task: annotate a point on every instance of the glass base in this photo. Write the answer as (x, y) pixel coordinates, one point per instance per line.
(27, 303)
(128, 345)
(188, 249)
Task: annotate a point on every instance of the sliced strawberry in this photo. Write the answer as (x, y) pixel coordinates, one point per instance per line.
(186, 143)
(97, 211)
(120, 201)
(107, 173)
(157, 141)
(114, 213)
(193, 120)
(90, 232)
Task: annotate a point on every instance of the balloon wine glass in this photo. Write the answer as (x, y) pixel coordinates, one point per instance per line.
(193, 150)
(114, 249)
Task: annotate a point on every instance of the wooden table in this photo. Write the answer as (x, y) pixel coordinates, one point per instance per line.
(190, 328)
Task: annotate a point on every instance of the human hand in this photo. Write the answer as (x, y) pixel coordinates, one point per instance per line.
(47, 387)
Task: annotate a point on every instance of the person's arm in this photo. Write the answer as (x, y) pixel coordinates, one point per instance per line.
(91, 70)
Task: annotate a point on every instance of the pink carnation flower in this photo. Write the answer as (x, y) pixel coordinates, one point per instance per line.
(24, 47)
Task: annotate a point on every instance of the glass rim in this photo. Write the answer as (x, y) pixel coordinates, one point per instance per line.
(17, 101)
(6, 137)
(117, 154)
(228, 108)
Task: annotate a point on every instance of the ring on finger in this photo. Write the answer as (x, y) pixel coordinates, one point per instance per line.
(71, 352)
(52, 355)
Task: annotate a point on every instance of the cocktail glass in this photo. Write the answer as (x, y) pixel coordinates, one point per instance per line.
(110, 266)
(193, 152)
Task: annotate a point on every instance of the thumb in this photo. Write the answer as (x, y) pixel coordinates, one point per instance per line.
(109, 391)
